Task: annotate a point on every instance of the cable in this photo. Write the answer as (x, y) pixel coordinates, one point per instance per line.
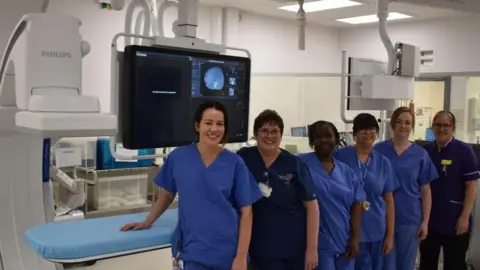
(396, 71)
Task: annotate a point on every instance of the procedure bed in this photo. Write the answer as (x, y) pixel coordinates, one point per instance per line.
(89, 240)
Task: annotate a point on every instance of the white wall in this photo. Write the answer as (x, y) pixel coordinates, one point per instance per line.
(273, 42)
(455, 42)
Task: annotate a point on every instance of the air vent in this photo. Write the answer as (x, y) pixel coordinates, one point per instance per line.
(427, 58)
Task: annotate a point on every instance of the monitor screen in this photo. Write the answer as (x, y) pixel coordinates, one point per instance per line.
(299, 131)
(162, 89)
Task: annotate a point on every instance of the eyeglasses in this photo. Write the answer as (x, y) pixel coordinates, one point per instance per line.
(266, 132)
(367, 132)
(441, 126)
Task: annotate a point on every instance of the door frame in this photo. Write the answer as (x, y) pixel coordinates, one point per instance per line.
(447, 84)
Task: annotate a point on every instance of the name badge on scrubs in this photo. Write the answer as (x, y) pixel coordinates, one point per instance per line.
(364, 206)
(265, 189)
(446, 162)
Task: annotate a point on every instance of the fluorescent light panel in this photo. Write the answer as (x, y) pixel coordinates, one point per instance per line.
(321, 5)
(392, 16)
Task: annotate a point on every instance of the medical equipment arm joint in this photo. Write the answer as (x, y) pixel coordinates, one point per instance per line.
(387, 42)
(187, 18)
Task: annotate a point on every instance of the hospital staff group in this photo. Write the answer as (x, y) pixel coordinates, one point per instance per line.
(362, 207)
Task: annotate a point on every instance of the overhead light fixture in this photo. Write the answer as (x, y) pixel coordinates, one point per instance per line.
(321, 5)
(392, 16)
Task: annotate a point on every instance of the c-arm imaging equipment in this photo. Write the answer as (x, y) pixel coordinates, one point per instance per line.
(42, 101)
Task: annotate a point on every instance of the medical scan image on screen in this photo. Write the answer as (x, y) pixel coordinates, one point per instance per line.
(166, 87)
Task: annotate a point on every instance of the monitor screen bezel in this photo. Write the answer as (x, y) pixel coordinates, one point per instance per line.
(127, 96)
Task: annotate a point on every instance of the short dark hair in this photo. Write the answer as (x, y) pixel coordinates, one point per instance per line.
(396, 114)
(270, 117)
(212, 105)
(365, 121)
(316, 125)
(450, 115)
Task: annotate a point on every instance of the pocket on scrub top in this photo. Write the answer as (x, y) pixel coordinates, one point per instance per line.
(284, 192)
(455, 208)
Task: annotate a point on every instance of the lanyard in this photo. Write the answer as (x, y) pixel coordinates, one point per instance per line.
(363, 169)
(266, 178)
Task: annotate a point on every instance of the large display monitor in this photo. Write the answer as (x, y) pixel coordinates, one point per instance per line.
(162, 88)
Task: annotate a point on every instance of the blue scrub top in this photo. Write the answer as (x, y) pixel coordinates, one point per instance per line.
(377, 178)
(209, 203)
(279, 223)
(455, 164)
(413, 169)
(336, 192)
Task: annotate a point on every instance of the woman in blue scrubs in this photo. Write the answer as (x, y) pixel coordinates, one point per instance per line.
(285, 227)
(216, 192)
(413, 201)
(379, 182)
(453, 197)
(339, 193)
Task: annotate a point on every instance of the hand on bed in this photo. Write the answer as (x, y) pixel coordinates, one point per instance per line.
(135, 226)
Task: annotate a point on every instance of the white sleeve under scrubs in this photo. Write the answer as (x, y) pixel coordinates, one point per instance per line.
(209, 203)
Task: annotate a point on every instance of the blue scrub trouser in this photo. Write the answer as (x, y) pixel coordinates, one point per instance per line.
(329, 261)
(370, 256)
(404, 252)
(278, 264)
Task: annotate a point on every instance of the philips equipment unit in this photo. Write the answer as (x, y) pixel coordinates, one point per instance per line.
(162, 88)
(41, 101)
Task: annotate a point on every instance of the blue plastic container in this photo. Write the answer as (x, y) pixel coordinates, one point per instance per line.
(105, 160)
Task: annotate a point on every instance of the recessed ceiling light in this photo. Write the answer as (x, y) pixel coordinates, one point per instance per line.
(321, 5)
(392, 16)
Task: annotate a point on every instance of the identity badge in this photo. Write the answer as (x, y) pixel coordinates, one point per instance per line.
(265, 189)
(365, 205)
(446, 162)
